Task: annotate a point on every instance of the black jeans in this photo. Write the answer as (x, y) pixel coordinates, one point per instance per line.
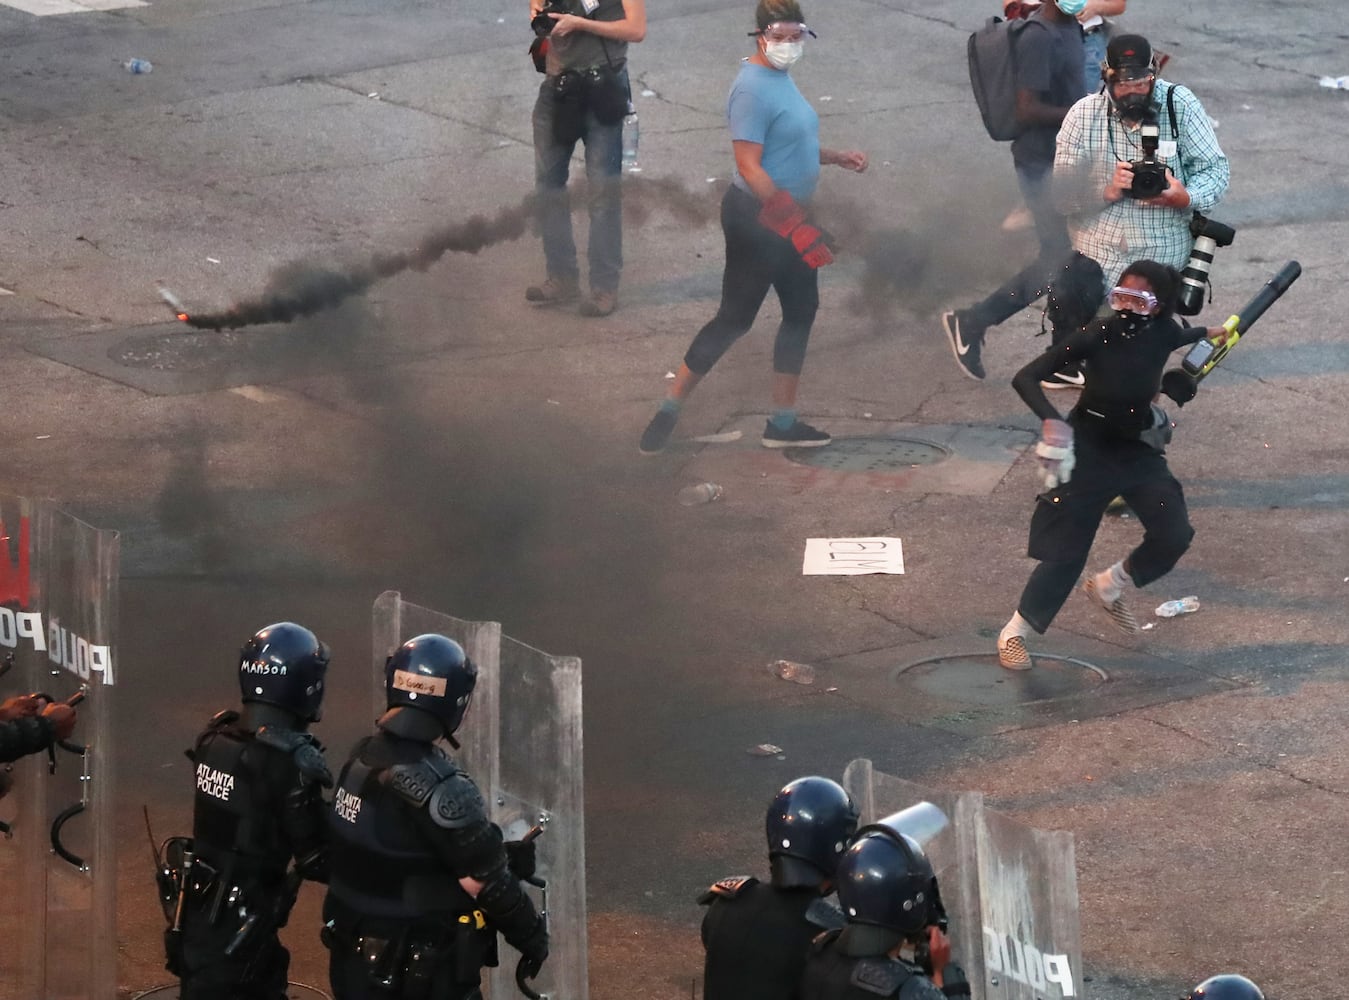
(1065, 521)
(757, 259)
(1031, 282)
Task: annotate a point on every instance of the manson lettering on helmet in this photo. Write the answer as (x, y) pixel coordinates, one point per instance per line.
(259, 667)
(1022, 962)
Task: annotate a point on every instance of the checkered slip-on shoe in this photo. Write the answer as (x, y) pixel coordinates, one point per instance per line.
(1117, 610)
(1012, 654)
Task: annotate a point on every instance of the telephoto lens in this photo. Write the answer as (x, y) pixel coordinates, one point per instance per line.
(1208, 237)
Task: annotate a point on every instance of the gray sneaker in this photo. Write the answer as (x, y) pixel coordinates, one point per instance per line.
(553, 292)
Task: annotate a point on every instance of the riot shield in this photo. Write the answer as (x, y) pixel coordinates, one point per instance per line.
(58, 603)
(521, 743)
(1010, 889)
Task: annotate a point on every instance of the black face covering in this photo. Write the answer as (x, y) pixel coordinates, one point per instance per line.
(1128, 323)
(1133, 107)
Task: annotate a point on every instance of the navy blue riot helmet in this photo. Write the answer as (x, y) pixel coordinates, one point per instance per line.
(284, 665)
(429, 682)
(1227, 987)
(887, 889)
(809, 825)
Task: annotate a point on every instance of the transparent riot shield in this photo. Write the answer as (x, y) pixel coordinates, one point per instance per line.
(521, 743)
(1010, 889)
(58, 604)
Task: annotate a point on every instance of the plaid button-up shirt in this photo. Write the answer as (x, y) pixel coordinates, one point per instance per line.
(1092, 140)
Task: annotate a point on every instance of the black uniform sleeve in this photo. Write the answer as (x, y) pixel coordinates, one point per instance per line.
(1077, 346)
(304, 819)
(20, 737)
(472, 847)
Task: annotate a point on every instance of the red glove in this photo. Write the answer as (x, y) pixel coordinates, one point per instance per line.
(784, 216)
(781, 214)
(810, 244)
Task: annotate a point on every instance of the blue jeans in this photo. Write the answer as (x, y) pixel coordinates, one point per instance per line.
(604, 168)
(1093, 54)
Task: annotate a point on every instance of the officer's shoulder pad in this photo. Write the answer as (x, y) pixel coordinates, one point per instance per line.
(416, 780)
(727, 888)
(879, 975)
(456, 802)
(304, 748)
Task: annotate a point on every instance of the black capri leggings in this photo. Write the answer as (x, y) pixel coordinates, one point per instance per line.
(757, 259)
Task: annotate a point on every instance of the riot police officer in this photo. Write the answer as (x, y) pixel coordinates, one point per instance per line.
(258, 804)
(420, 877)
(894, 943)
(756, 936)
(1226, 987)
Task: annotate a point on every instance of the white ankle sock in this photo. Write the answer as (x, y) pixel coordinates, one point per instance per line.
(1110, 583)
(1016, 625)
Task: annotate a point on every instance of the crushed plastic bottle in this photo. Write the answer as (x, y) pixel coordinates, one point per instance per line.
(1181, 607)
(797, 673)
(1335, 82)
(138, 67)
(692, 496)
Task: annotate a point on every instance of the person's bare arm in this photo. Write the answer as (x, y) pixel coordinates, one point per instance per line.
(631, 27)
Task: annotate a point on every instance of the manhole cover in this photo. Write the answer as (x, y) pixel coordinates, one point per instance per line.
(294, 991)
(976, 679)
(864, 454)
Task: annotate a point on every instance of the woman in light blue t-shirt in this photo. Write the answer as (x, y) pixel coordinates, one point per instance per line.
(770, 243)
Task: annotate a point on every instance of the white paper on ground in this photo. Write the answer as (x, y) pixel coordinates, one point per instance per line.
(852, 556)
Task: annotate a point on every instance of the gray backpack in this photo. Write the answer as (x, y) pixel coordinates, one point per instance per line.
(992, 52)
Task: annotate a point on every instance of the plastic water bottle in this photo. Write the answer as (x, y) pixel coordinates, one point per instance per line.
(1335, 82)
(797, 673)
(632, 134)
(692, 496)
(137, 67)
(1181, 607)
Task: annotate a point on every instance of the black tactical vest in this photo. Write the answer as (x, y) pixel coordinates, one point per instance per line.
(240, 787)
(383, 864)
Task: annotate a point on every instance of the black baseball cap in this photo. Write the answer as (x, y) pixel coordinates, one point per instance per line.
(1129, 57)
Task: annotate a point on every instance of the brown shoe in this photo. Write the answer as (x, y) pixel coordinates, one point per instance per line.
(599, 304)
(1012, 654)
(553, 292)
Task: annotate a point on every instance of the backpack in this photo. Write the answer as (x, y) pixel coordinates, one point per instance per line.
(992, 52)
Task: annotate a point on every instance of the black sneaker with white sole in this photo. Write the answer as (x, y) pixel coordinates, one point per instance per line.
(798, 435)
(1073, 379)
(967, 344)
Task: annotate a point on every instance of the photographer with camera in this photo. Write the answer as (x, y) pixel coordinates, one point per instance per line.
(1133, 167)
(582, 48)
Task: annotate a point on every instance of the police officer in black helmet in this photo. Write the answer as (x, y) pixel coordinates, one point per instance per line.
(893, 944)
(258, 805)
(1226, 987)
(756, 935)
(420, 877)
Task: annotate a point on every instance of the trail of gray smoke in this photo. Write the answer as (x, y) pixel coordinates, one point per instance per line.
(302, 289)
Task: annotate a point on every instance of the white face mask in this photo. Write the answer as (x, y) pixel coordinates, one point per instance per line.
(781, 55)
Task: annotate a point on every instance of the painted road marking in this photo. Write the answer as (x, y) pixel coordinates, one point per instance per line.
(46, 8)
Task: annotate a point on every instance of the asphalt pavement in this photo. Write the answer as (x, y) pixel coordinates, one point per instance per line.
(440, 437)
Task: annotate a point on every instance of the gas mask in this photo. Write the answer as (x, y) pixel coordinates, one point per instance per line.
(1132, 108)
(782, 55)
(1133, 308)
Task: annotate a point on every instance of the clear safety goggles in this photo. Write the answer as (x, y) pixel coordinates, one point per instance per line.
(1136, 79)
(1132, 300)
(785, 31)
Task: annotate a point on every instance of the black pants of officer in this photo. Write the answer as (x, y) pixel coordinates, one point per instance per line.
(1065, 521)
(256, 971)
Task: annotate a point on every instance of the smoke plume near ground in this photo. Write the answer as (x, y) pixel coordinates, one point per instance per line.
(302, 288)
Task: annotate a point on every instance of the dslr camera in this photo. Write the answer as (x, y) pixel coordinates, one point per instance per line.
(1149, 172)
(1208, 236)
(542, 23)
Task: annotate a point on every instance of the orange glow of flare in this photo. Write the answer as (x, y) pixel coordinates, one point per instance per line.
(182, 316)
